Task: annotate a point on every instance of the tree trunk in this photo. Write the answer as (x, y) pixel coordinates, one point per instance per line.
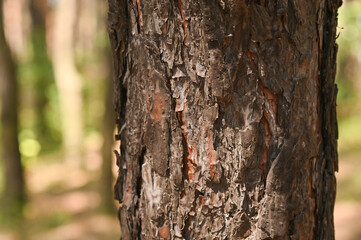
(68, 79)
(14, 192)
(108, 126)
(226, 111)
(15, 26)
(44, 74)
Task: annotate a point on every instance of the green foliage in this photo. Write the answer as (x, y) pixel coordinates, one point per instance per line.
(350, 135)
(94, 67)
(349, 101)
(11, 212)
(39, 110)
(348, 74)
(349, 59)
(56, 219)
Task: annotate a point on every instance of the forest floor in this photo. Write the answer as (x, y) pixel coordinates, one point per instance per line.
(348, 199)
(64, 202)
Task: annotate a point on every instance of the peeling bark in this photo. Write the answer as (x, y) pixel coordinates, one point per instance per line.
(226, 115)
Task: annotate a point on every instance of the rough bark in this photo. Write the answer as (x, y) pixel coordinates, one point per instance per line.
(226, 114)
(14, 192)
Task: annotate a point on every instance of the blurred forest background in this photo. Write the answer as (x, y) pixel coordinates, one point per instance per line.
(56, 89)
(57, 166)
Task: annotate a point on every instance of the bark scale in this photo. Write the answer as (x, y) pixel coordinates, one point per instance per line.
(227, 121)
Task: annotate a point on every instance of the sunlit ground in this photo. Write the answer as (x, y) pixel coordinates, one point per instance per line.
(64, 203)
(348, 200)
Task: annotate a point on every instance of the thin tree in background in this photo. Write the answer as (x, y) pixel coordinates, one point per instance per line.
(91, 43)
(14, 191)
(67, 78)
(16, 26)
(107, 178)
(228, 118)
(43, 69)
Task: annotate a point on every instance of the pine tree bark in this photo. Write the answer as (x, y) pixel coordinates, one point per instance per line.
(227, 118)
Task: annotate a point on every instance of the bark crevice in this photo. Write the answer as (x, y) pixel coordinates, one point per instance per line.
(227, 100)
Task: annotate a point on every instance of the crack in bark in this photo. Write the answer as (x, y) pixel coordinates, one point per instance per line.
(266, 144)
(186, 231)
(189, 166)
(138, 189)
(139, 8)
(269, 121)
(185, 23)
(327, 163)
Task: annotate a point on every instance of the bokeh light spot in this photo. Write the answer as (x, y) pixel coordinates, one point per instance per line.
(30, 148)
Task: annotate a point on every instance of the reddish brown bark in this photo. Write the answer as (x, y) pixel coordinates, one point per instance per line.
(227, 111)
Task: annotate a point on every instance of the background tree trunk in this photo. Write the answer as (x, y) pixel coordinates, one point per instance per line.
(67, 79)
(14, 190)
(226, 111)
(44, 77)
(108, 126)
